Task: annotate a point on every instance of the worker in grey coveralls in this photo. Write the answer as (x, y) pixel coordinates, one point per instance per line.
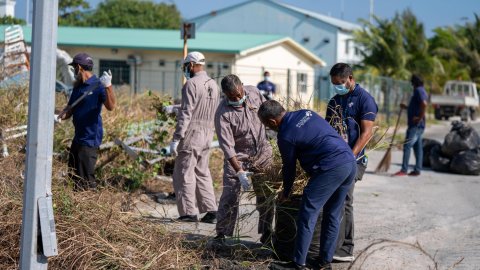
(194, 132)
(246, 149)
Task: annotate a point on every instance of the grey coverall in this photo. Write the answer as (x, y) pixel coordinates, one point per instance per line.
(192, 181)
(242, 135)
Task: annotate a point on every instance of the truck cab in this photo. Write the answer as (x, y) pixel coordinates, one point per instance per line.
(459, 98)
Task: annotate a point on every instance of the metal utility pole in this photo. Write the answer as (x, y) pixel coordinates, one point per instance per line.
(187, 31)
(371, 11)
(37, 187)
(27, 5)
(342, 9)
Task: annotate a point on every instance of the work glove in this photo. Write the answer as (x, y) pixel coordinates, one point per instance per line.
(106, 79)
(243, 177)
(168, 109)
(173, 148)
(57, 119)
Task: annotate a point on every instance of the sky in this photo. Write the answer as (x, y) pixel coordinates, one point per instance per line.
(432, 13)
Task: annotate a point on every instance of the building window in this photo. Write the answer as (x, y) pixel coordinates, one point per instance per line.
(357, 51)
(120, 70)
(347, 43)
(302, 82)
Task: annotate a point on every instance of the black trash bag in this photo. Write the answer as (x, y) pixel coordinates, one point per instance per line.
(286, 231)
(438, 162)
(428, 144)
(466, 162)
(460, 138)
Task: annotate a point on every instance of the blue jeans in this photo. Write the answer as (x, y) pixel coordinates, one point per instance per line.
(413, 139)
(326, 190)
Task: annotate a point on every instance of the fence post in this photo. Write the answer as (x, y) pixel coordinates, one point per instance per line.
(289, 88)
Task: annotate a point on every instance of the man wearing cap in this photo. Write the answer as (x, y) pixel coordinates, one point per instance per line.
(87, 119)
(192, 181)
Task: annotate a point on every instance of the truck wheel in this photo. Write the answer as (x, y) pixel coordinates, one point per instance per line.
(465, 115)
(473, 114)
(438, 114)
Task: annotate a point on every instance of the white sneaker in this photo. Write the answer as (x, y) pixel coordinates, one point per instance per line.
(344, 258)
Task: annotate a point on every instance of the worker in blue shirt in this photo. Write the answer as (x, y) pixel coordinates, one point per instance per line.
(267, 87)
(416, 126)
(328, 160)
(352, 113)
(87, 119)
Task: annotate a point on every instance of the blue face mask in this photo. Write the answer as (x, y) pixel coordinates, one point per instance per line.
(237, 103)
(340, 89)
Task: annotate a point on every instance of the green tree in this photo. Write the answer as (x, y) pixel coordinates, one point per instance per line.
(419, 60)
(382, 48)
(458, 49)
(72, 12)
(135, 14)
(9, 20)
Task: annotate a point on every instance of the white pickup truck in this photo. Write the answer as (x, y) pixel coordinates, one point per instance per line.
(459, 98)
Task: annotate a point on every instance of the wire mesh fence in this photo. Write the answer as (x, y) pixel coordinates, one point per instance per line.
(296, 88)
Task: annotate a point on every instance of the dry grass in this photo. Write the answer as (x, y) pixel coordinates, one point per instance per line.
(95, 230)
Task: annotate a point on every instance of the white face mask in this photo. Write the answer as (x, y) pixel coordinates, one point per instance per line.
(267, 78)
(238, 103)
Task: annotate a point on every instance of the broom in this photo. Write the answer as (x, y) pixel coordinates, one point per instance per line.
(384, 164)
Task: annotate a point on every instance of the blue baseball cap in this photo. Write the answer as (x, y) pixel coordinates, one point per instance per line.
(82, 59)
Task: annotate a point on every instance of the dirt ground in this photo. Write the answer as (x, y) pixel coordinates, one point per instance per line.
(426, 222)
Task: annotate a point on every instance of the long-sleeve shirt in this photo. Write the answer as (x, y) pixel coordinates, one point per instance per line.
(200, 97)
(239, 130)
(306, 136)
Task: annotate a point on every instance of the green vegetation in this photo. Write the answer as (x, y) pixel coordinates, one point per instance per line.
(119, 13)
(398, 47)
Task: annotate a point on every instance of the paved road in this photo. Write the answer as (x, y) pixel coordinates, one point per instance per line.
(439, 211)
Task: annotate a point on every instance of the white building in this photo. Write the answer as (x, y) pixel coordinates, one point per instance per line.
(158, 54)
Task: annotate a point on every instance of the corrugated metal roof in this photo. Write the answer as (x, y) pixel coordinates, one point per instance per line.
(341, 24)
(344, 25)
(152, 39)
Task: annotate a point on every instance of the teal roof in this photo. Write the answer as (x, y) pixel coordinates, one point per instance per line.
(152, 39)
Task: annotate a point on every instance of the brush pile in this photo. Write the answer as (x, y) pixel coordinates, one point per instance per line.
(95, 230)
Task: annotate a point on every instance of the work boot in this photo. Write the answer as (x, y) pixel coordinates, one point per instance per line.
(210, 217)
(266, 238)
(188, 218)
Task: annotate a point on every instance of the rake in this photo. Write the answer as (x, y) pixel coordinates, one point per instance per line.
(384, 164)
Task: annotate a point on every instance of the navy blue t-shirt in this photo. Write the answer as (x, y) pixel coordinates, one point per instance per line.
(87, 117)
(266, 86)
(355, 106)
(307, 136)
(418, 97)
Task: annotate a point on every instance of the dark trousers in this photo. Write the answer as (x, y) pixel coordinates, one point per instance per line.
(345, 234)
(325, 190)
(81, 163)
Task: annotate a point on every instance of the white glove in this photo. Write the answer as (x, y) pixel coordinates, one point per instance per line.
(243, 177)
(57, 119)
(106, 78)
(173, 148)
